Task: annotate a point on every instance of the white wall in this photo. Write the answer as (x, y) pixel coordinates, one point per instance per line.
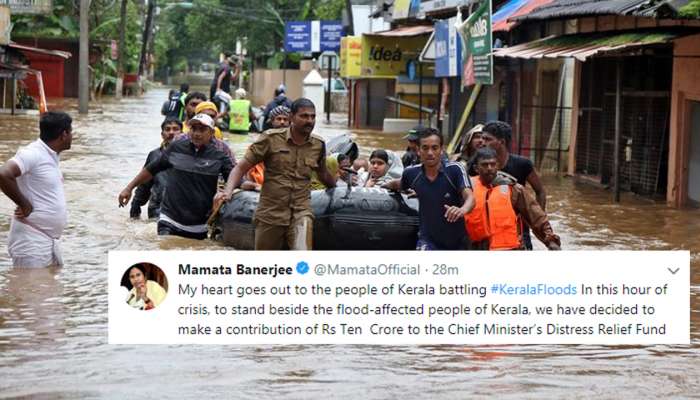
(362, 23)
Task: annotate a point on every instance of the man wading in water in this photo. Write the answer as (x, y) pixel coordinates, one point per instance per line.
(284, 214)
(501, 204)
(444, 194)
(497, 135)
(34, 182)
(152, 191)
(195, 164)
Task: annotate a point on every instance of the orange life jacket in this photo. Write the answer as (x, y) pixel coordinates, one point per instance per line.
(257, 173)
(493, 217)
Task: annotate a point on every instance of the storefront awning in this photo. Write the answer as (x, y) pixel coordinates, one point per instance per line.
(407, 31)
(56, 53)
(13, 70)
(582, 46)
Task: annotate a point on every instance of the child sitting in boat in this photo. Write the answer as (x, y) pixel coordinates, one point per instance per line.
(384, 165)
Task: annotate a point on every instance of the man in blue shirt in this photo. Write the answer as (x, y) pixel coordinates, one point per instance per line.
(444, 193)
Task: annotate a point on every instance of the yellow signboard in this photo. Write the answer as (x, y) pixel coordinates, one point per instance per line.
(4, 25)
(387, 56)
(401, 9)
(350, 56)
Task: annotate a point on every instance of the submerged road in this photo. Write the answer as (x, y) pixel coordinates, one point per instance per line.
(53, 323)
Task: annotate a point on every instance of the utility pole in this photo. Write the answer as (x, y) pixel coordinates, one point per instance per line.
(146, 35)
(83, 72)
(351, 25)
(328, 98)
(420, 94)
(239, 61)
(151, 46)
(122, 53)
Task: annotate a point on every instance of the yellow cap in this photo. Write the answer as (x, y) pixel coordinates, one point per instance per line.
(205, 105)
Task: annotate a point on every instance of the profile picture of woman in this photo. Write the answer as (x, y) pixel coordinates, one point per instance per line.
(147, 286)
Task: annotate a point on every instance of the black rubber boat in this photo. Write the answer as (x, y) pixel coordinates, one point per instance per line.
(359, 219)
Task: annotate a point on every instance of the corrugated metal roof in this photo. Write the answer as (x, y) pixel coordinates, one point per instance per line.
(405, 31)
(582, 46)
(662, 9)
(504, 18)
(579, 8)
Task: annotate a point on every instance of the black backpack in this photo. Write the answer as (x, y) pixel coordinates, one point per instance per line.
(171, 108)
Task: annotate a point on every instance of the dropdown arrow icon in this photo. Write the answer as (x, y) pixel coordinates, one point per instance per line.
(673, 271)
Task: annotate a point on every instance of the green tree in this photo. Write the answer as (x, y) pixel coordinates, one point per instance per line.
(63, 23)
(209, 27)
(329, 10)
(691, 10)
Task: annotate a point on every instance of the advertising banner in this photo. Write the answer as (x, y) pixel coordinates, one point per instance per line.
(478, 61)
(350, 56)
(388, 56)
(448, 49)
(401, 9)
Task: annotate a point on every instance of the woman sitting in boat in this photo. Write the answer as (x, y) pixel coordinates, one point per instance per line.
(332, 165)
(383, 167)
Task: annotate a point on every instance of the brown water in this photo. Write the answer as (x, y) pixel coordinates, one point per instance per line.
(53, 323)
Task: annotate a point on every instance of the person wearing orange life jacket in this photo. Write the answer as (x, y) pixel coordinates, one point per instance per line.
(501, 203)
(254, 178)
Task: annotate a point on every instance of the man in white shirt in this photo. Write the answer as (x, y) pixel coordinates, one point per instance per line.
(34, 182)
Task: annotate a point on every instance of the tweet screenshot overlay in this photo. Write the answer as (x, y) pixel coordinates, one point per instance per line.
(399, 298)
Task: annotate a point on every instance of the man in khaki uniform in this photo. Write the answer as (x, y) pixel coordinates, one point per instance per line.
(284, 213)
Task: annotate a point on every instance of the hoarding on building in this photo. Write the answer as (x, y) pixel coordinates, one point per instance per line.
(477, 59)
(448, 49)
(18, 7)
(432, 6)
(401, 9)
(388, 56)
(5, 25)
(351, 56)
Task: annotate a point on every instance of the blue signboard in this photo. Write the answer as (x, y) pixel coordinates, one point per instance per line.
(414, 9)
(331, 32)
(314, 36)
(448, 49)
(297, 36)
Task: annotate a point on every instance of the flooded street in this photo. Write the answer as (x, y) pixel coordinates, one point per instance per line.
(53, 323)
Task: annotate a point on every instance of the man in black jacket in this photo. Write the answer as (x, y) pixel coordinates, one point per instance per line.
(153, 189)
(194, 165)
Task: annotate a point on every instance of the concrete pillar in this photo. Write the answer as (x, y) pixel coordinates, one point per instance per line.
(313, 90)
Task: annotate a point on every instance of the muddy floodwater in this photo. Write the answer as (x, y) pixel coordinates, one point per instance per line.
(53, 323)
